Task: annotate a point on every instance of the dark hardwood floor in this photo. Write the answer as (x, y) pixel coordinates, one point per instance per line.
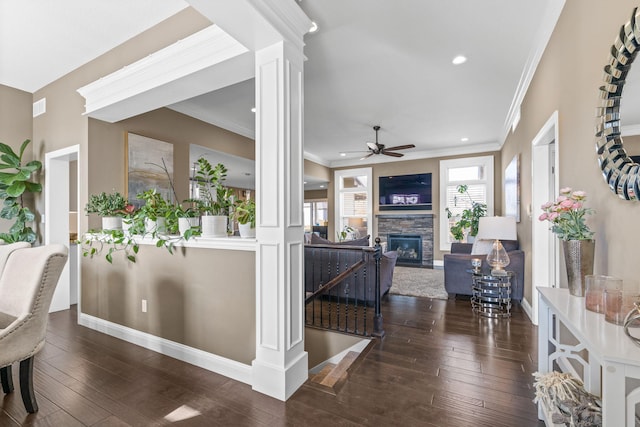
(439, 365)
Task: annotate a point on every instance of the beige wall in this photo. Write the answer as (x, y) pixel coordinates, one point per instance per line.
(16, 114)
(406, 167)
(205, 300)
(567, 80)
(316, 170)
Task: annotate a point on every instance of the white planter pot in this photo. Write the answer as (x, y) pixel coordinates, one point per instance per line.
(185, 224)
(111, 223)
(246, 231)
(214, 225)
(158, 226)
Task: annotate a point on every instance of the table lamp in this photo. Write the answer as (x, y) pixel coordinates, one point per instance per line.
(497, 228)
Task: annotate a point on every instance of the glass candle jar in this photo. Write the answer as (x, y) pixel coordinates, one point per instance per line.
(594, 293)
(619, 302)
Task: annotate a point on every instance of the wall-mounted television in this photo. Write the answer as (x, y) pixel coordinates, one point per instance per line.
(405, 192)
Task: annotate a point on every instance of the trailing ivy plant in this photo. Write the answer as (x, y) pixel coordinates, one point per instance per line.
(16, 179)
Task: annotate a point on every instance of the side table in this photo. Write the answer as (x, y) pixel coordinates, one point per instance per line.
(491, 294)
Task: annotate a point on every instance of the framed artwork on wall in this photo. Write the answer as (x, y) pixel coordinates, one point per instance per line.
(512, 188)
(146, 160)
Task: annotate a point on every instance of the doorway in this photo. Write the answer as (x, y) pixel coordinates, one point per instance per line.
(545, 184)
(62, 168)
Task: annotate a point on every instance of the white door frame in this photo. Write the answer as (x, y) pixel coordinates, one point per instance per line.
(56, 217)
(545, 271)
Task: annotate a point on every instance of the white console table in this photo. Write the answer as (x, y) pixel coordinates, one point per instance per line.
(610, 361)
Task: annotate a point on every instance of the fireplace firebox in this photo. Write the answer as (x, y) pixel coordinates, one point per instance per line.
(408, 247)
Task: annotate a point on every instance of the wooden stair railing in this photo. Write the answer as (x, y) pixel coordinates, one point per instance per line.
(341, 295)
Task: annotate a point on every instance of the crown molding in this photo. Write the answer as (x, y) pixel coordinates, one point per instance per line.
(230, 125)
(316, 159)
(200, 51)
(549, 21)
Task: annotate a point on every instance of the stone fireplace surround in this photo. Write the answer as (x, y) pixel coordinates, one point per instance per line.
(411, 224)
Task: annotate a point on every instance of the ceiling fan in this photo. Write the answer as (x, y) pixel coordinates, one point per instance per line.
(377, 148)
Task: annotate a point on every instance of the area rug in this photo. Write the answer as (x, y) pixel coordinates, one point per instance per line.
(418, 282)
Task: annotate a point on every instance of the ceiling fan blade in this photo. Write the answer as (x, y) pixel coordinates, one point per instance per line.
(401, 147)
(367, 156)
(372, 145)
(392, 154)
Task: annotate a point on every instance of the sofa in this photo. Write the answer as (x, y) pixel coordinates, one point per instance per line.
(457, 279)
(323, 262)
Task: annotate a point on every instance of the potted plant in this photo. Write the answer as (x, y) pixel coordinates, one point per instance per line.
(185, 220)
(468, 221)
(245, 214)
(153, 213)
(110, 207)
(15, 181)
(214, 198)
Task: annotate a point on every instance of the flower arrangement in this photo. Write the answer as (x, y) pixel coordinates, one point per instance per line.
(567, 215)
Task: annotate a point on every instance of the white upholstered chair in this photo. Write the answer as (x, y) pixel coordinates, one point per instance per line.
(27, 283)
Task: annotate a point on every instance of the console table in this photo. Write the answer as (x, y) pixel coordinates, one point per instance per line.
(491, 294)
(610, 361)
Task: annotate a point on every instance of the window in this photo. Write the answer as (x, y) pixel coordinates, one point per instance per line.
(354, 203)
(315, 213)
(477, 174)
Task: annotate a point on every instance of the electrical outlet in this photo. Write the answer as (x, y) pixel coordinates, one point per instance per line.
(144, 305)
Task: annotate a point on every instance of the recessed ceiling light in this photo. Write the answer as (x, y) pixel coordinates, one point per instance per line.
(322, 186)
(314, 27)
(304, 182)
(343, 154)
(253, 109)
(459, 60)
(465, 139)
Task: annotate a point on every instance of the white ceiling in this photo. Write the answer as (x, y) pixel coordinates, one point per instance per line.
(372, 62)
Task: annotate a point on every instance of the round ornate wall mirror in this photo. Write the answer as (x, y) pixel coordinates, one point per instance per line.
(619, 170)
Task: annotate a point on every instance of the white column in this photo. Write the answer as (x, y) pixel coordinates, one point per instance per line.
(281, 364)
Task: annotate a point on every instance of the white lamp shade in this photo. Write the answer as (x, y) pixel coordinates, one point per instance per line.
(497, 228)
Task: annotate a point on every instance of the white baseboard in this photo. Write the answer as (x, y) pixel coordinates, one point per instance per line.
(220, 365)
(357, 347)
(438, 263)
(526, 306)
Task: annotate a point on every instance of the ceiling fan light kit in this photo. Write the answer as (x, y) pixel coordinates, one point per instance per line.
(377, 148)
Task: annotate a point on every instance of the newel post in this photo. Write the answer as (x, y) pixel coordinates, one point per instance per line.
(378, 329)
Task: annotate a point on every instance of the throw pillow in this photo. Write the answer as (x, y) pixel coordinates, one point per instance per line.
(481, 247)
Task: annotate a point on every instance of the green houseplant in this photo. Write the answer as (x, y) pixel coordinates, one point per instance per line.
(245, 214)
(153, 213)
(110, 206)
(15, 181)
(469, 219)
(214, 199)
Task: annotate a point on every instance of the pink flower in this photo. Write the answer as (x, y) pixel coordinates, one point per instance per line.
(553, 216)
(579, 195)
(567, 204)
(576, 206)
(565, 190)
(561, 199)
(546, 206)
(543, 217)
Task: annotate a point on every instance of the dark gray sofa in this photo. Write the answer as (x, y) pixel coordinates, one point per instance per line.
(457, 279)
(324, 262)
